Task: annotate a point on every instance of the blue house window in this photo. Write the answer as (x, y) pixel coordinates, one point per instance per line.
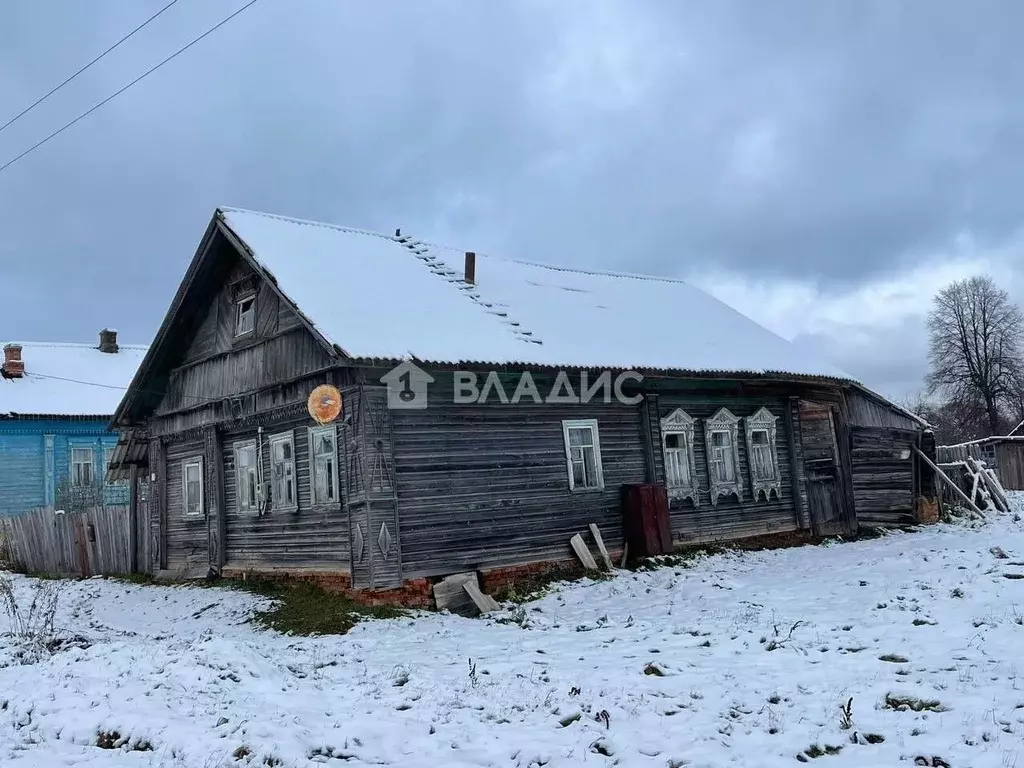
(81, 467)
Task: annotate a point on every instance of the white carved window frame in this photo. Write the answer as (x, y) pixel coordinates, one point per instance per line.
(725, 422)
(763, 421)
(683, 426)
(193, 504)
(247, 476)
(283, 473)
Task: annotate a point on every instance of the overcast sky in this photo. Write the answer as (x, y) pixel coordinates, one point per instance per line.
(823, 166)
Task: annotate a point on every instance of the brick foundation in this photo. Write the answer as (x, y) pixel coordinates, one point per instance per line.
(414, 593)
(927, 510)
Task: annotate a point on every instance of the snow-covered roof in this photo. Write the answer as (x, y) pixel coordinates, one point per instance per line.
(69, 380)
(379, 296)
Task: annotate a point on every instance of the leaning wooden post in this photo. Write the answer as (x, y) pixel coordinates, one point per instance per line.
(950, 483)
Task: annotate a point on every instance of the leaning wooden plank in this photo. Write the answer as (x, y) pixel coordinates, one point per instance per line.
(963, 496)
(580, 548)
(485, 603)
(625, 555)
(995, 485)
(596, 533)
(449, 594)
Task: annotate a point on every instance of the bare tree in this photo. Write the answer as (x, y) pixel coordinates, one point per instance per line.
(975, 335)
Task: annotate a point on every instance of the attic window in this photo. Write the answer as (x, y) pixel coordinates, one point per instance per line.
(245, 316)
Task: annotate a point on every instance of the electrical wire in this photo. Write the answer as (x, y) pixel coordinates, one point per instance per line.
(50, 93)
(124, 88)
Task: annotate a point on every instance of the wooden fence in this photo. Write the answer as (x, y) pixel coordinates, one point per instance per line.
(85, 544)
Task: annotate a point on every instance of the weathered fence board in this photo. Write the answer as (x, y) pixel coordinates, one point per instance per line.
(84, 544)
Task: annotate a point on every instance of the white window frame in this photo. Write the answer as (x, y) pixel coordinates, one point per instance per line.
(252, 506)
(591, 424)
(314, 433)
(726, 423)
(763, 421)
(682, 425)
(186, 464)
(72, 462)
(251, 298)
(275, 501)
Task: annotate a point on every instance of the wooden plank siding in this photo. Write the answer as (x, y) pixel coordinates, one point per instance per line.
(186, 536)
(731, 518)
(486, 485)
(883, 475)
(313, 536)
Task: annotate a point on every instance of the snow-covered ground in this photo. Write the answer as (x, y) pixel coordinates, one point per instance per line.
(748, 659)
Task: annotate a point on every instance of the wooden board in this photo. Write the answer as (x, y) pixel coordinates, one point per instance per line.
(449, 594)
(485, 603)
(596, 533)
(580, 548)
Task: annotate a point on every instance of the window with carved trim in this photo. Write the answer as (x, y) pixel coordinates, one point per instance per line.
(721, 435)
(247, 476)
(323, 452)
(677, 431)
(762, 454)
(192, 486)
(282, 472)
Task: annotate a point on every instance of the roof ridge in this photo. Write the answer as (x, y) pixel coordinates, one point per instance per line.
(441, 246)
(437, 266)
(576, 270)
(308, 222)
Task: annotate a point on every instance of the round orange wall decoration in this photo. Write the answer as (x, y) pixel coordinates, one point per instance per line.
(324, 404)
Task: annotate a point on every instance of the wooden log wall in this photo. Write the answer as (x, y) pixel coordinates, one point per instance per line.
(732, 518)
(883, 475)
(486, 485)
(311, 536)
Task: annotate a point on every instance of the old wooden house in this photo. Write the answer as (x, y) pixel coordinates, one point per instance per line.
(490, 410)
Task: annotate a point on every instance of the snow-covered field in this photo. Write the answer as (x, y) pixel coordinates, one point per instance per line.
(748, 659)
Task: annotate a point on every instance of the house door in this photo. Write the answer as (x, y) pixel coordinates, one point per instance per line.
(371, 501)
(825, 492)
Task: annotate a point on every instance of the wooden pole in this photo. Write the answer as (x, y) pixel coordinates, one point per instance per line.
(950, 483)
(133, 519)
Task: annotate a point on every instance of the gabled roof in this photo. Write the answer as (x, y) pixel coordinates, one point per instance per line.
(68, 380)
(383, 297)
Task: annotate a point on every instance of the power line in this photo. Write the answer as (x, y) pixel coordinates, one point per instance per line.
(43, 98)
(117, 93)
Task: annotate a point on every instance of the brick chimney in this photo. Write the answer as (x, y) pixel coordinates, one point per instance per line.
(470, 267)
(13, 367)
(108, 341)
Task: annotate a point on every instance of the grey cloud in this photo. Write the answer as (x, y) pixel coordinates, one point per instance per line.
(832, 140)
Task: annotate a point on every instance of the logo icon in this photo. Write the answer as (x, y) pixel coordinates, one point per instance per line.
(407, 386)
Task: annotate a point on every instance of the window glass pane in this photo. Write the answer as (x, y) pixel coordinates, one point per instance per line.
(760, 437)
(672, 440)
(720, 438)
(578, 475)
(580, 436)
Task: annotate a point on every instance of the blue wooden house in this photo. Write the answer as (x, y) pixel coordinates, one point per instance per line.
(55, 403)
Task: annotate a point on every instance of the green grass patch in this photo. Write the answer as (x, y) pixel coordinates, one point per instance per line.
(535, 586)
(304, 609)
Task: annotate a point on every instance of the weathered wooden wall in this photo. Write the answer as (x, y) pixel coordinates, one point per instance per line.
(312, 536)
(486, 485)
(867, 411)
(1010, 465)
(186, 536)
(731, 518)
(883, 475)
(84, 544)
